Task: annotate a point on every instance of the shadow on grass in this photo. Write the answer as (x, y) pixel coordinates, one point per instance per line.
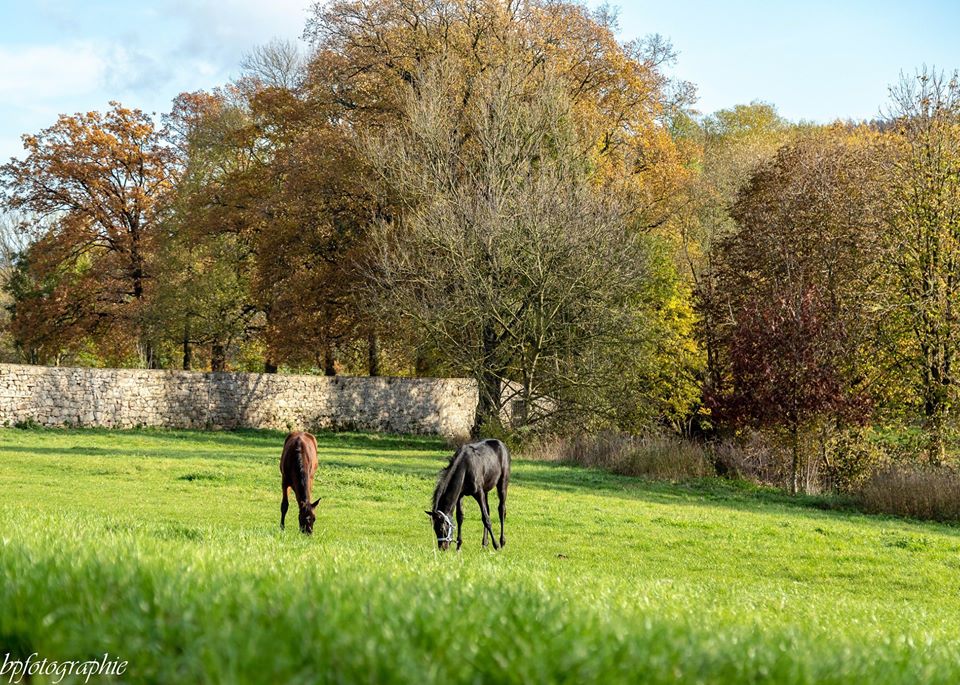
(240, 445)
(384, 450)
(251, 438)
(717, 493)
(160, 452)
(576, 479)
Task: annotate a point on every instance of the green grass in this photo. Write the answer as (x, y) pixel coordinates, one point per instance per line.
(163, 548)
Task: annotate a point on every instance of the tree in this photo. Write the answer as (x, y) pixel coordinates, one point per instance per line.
(731, 145)
(795, 292)
(207, 258)
(96, 182)
(203, 296)
(318, 207)
(277, 64)
(12, 247)
(371, 56)
(271, 171)
(923, 238)
(785, 368)
(509, 256)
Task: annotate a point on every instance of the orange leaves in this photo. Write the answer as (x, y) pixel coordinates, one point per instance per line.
(371, 54)
(99, 178)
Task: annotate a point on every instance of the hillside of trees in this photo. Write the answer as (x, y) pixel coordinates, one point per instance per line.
(507, 191)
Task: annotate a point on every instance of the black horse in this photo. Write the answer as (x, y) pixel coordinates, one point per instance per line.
(473, 470)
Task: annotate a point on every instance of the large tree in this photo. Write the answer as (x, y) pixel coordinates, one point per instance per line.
(208, 257)
(510, 255)
(796, 298)
(269, 169)
(730, 146)
(94, 184)
(375, 59)
(319, 205)
(923, 239)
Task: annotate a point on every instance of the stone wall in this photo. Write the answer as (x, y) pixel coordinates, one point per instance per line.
(123, 398)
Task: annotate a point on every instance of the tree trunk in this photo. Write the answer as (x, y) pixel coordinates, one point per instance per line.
(488, 382)
(488, 409)
(269, 366)
(795, 465)
(187, 348)
(421, 365)
(138, 276)
(936, 442)
(218, 357)
(373, 354)
(150, 360)
(935, 411)
(520, 413)
(329, 361)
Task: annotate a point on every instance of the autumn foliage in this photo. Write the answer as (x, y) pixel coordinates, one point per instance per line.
(508, 191)
(94, 184)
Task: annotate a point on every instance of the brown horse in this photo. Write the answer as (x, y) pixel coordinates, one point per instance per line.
(298, 463)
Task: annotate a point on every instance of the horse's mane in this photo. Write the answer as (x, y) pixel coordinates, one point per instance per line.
(445, 475)
(298, 452)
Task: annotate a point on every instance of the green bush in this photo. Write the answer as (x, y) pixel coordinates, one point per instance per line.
(852, 456)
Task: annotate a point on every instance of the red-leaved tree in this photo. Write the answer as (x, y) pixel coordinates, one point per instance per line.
(786, 363)
(795, 290)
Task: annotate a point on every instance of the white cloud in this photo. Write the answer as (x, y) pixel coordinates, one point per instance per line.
(142, 55)
(32, 74)
(205, 39)
(10, 147)
(224, 30)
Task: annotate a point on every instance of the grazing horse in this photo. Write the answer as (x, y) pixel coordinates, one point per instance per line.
(298, 463)
(473, 471)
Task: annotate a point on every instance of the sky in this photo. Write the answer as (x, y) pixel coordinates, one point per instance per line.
(814, 60)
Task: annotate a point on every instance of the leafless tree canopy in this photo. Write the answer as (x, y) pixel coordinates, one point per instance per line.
(279, 63)
(508, 258)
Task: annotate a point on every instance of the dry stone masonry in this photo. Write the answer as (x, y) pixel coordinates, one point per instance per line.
(124, 398)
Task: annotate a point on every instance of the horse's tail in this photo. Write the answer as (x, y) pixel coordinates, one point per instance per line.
(503, 454)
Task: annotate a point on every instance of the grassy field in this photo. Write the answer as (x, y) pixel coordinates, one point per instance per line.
(163, 548)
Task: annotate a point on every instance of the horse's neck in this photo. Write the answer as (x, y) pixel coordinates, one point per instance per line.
(448, 498)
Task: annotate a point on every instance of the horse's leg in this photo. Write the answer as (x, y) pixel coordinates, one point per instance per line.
(502, 507)
(482, 500)
(459, 523)
(485, 513)
(284, 505)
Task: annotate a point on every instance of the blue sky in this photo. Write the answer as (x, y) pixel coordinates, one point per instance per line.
(814, 60)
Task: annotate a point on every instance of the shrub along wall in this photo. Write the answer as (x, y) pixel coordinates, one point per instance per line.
(123, 398)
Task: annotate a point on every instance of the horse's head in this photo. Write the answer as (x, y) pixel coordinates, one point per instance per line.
(307, 517)
(443, 527)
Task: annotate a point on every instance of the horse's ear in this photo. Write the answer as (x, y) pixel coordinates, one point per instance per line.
(316, 502)
(428, 513)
